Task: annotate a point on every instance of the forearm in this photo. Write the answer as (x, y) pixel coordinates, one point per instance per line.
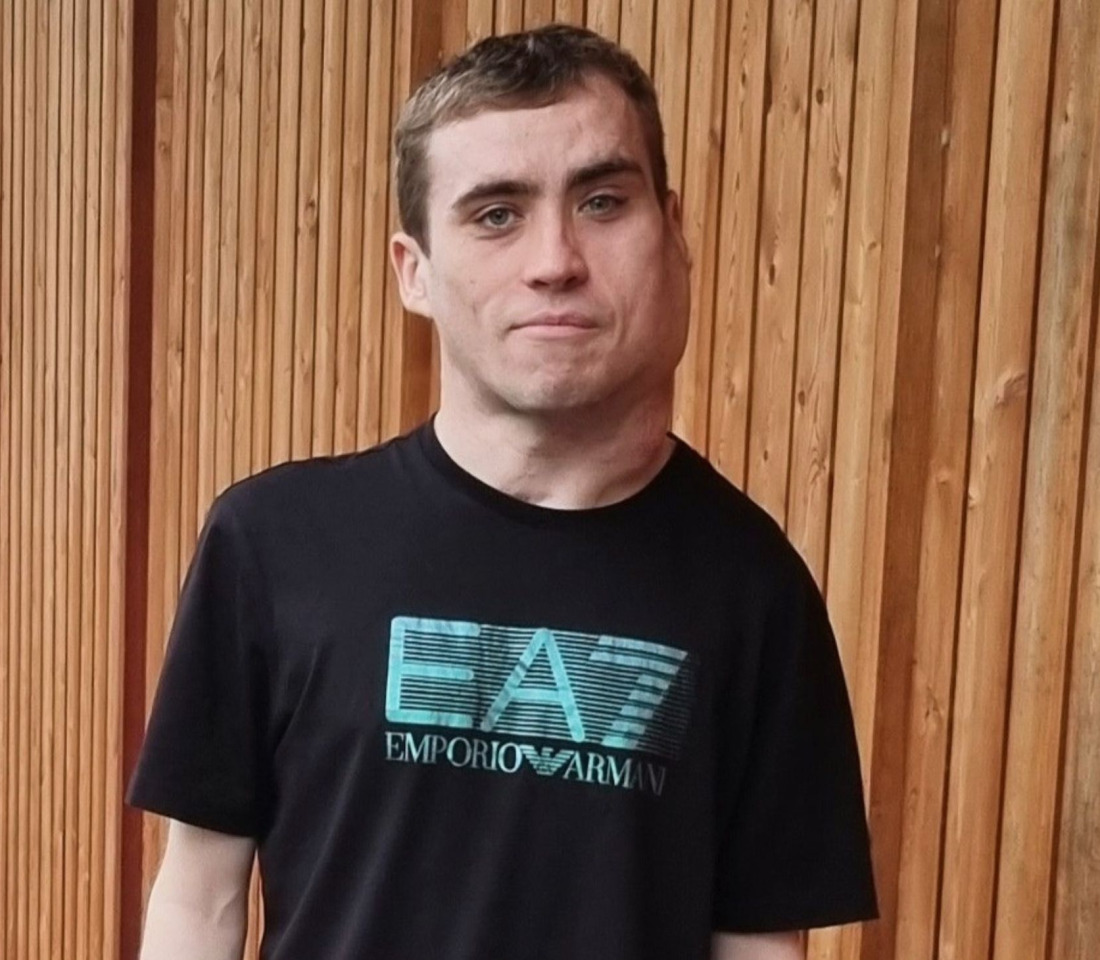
(179, 929)
(757, 946)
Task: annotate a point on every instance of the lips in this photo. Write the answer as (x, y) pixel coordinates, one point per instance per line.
(574, 321)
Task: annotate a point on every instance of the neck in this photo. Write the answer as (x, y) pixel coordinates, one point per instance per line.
(570, 461)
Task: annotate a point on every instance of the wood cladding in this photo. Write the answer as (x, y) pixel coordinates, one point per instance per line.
(893, 212)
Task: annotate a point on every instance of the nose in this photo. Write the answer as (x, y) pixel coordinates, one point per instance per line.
(555, 261)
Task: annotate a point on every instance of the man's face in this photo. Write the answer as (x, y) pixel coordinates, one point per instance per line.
(557, 280)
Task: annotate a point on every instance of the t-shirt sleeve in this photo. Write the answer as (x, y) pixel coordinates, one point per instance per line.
(794, 852)
(203, 761)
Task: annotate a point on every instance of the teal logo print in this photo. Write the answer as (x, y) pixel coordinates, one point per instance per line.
(597, 691)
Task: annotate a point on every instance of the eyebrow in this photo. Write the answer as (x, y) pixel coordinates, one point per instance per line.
(509, 187)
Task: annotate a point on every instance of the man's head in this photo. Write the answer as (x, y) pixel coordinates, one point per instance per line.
(538, 230)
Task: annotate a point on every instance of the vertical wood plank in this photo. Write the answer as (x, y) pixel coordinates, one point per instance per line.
(999, 414)
(225, 380)
(305, 282)
(245, 331)
(569, 11)
(86, 860)
(193, 274)
(270, 151)
(602, 16)
(702, 190)
(537, 13)
(1077, 882)
(731, 367)
(509, 16)
(352, 191)
(406, 339)
(823, 232)
(967, 101)
(36, 73)
(212, 216)
(15, 934)
(119, 326)
(375, 223)
(672, 56)
(286, 232)
(53, 691)
(329, 223)
(74, 695)
(779, 257)
(479, 20)
(7, 631)
(1052, 485)
(636, 30)
(872, 289)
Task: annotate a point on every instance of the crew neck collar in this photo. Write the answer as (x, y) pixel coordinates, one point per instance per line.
(516, 508)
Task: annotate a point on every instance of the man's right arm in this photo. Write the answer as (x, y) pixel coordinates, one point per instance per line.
(198, 907)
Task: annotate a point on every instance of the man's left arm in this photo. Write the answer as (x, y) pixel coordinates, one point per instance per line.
(756, 946)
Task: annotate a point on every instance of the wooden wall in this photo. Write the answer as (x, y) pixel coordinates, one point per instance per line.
(64, 247)
(893, 207)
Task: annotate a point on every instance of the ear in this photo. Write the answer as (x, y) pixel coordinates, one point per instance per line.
(411, 266)
(674, 222)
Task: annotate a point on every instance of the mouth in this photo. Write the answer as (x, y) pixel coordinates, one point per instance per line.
(556, 324)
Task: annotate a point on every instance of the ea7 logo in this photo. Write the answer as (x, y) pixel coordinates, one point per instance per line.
(584, 688)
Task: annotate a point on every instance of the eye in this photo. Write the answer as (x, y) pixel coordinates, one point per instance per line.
(603, 203)
(496, 218)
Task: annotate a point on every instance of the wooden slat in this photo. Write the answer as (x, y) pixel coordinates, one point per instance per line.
(103, 741)
(50, 847)
(826, 203)
(352, 191)
(537, 13)
(245, 330)
(16, 933)
(779, 256)
(702, 191)
(603, 16)
(1076, 910)
(193, 280)
(731, 367)
(329, 222)
(8, 465)
(161, 361)
(479, 20)
(305, 282)
(118, 321)
(266, 242)
(569, 11)
(969, 79)
(509, 16)
(375, 223)
(286, 234)
(212, 213)
(35, 827)
(1052, 485)
(225, 390)
(874, 256)
(7, 630)
(75, 695)
(636, 29)
(86, 860)
(999, 424)
(406, 339)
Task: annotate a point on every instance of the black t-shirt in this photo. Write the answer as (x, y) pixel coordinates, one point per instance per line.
(465, 727)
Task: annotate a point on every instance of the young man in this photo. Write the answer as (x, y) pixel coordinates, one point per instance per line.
(533, 681)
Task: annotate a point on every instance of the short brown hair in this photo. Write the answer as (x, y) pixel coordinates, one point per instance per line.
(530, 69)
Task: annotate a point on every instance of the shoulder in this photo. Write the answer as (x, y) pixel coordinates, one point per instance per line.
(301, 491)
(738, 535)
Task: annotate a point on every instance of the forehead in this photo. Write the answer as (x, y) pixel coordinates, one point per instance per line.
(541, 144)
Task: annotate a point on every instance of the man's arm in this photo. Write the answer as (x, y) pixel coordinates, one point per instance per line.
(757, 946)
(198, 907)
